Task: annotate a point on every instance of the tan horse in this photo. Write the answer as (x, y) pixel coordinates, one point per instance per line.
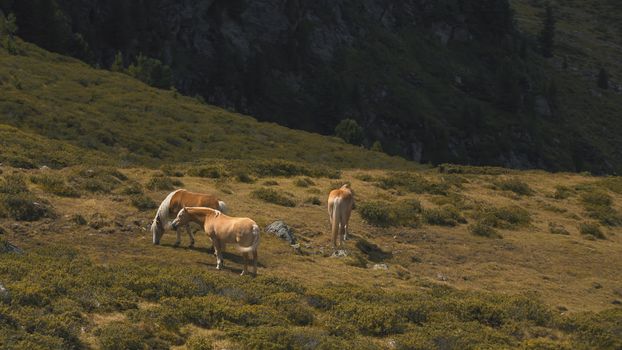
(340, 204)
(223, 230)
(173, 203)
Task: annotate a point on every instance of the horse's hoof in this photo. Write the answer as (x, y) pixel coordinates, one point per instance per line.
(218, 267)
(243, 273)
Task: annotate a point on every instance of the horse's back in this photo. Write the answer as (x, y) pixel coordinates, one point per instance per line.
(185, 198)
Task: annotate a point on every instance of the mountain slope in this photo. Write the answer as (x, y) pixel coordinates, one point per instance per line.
(452, 257)
(434, 81)
(64, 100)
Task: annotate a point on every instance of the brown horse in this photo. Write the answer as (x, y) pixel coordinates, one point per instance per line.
(173, 203)
(223, 230)
(340, 204)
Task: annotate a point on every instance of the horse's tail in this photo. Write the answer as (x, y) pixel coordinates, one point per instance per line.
(163, 210)
(253, 247)
(222, 206)
(335, 216)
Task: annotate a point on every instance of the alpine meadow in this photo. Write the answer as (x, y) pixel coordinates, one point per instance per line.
(470, 150)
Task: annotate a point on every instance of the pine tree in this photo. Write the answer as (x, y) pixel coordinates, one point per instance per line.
(117, 64)
(376, 147)
(547, 35)
(8, 29)
(603, 79)
(350, 131)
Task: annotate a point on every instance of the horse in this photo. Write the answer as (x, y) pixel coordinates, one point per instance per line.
(223, 230)
(340, 204)
(173, 203)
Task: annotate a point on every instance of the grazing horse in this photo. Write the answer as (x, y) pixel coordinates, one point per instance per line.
(173, 203)
(340, 204)
(223, 229)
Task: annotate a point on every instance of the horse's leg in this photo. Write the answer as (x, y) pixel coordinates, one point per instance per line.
(218, 253)
(191, 235)
(255, 261)
(178, 241)
(245, 254)
(346, 220)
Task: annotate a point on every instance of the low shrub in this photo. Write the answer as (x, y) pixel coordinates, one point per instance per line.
(96, 179)
(169, 170)
(200, 342)
(370, 319)
(562, 192)
(143, 202)
(557, 229)
(517, 186)
(121, 335)
(13, 184)
(597, 198)
(55, 184)
(292, 306)
(446, 215)
(133, 188)
(411, 182)
(274, 168)
(304, 182)
(511, 217)
(272, 196)
(384, 214)
(242, 176)
(598, 205)
(314, 200)
(163, 183)
(591, 230)
(472, 170)
(25, 207)
(483, 230)
(211, 171)
(270, 183)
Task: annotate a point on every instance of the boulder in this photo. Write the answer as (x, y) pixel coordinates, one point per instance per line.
(282, 231)
(7, 247)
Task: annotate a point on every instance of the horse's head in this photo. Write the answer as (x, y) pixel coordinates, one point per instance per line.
(183, 217)
(157, 229)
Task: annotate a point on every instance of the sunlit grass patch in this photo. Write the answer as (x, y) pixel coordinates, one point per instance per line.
(273, 196)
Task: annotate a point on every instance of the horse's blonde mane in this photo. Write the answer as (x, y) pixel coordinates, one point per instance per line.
(163, 210)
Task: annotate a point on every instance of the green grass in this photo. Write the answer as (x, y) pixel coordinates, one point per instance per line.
(67, 113)
(273, 196)
(265, 312)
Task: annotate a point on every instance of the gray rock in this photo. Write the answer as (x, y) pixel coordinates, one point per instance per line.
(341, 253)
(282, 231)
(4, 294)
(380, 267)
(7, 247)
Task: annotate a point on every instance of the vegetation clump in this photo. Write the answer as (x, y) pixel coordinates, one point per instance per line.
(481, 229)
(385, 214)
(18, 203)
(446, 215)
(510, 217)
(272, 196)
(598, 205)
(212, 172)
(304, 182)
(591, 230)
(55, 184)
(517, 186)
(163, 183)
(412, 183)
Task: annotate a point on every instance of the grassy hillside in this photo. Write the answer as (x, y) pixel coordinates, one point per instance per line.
(446, 258)
(59, 100)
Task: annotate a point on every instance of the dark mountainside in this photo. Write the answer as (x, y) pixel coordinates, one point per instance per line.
(435, 81)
